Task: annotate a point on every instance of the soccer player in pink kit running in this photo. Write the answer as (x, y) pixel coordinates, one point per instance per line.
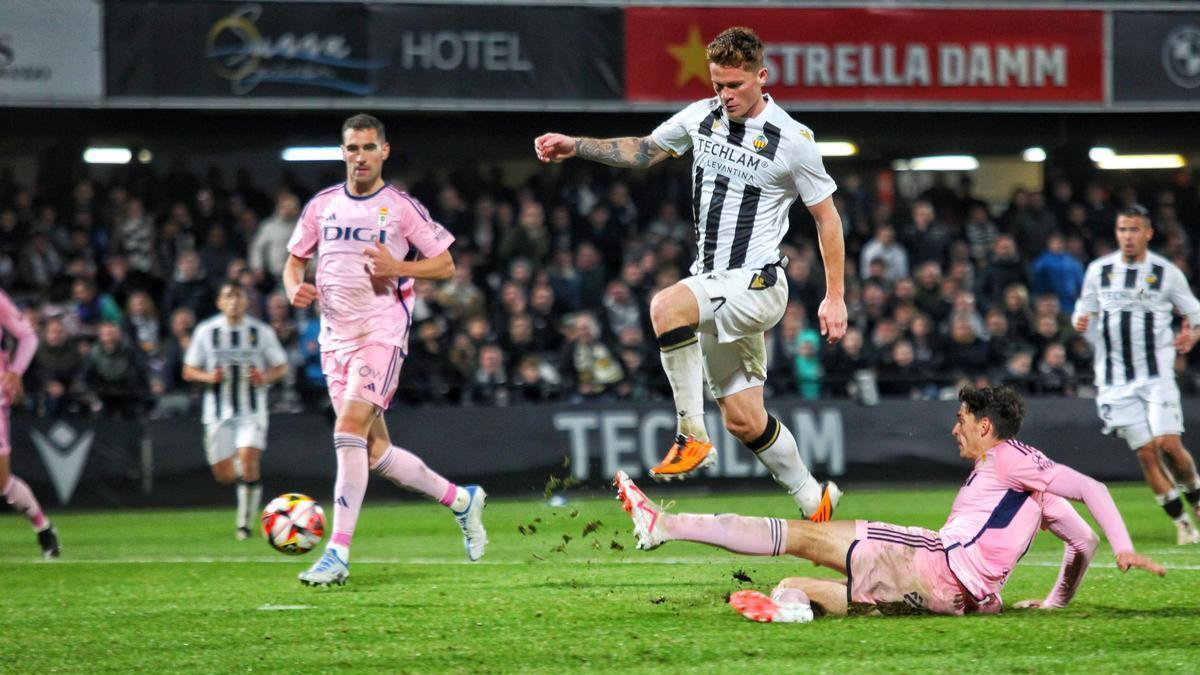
(16, 491)
(373, 240)
(1013, 490)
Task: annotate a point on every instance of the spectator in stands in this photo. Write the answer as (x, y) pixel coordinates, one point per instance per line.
(459, 297)
(529, 239)
(1003, 270)
(1018, 312)
(268, 250)
(90, 307)
(55, 371)
(901, 376)
(1055, 271)
(621, 308)
(115, 374)
(965, 352)
(190, 287)
(489, 384)
(1018, 373)
(981, 234)
(842, 361)
(142, 322)
(590, 368)
(40, 263)
(183, 321)
(883, 246)
(925, 238)
(530, 384)
(216, 254)
(1055, 375)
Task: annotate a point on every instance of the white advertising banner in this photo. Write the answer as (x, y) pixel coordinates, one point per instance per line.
(50, 52)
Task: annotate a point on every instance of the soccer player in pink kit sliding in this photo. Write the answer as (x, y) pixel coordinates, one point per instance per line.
(373, 240)
(16, 491)
(890, 569)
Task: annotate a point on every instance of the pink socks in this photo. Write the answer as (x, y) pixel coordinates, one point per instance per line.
(740, 534)
(20, 497)
(350, 487)
(408, 471)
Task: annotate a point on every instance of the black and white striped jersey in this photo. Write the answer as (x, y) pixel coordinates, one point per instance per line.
(1132, 306)
(235, 349)
(746, 174)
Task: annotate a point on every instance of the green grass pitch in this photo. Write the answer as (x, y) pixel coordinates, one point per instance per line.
(171, 591)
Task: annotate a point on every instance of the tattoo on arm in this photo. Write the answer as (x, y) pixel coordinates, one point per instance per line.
(635, 153)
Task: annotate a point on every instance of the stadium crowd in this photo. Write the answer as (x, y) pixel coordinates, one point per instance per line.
(553, 281)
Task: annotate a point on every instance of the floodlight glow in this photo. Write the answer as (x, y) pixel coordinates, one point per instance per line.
(943, 163)
(303, 153)
(1119, 162)
(837, 148)
(1100, 153)
(107, 155)
(1034, 154)
(145, 156)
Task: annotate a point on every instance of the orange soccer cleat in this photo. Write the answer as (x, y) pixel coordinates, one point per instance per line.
(685, 457)
(758, 607)
(830, 496)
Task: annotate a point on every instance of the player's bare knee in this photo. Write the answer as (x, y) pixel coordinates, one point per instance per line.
(663, 314)
(1148, 454)
(741, 426)
(224, 475)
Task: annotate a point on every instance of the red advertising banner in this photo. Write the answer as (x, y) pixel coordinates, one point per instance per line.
(861, 56)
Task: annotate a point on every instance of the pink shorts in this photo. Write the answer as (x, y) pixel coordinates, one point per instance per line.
(900, 570)
(367, 372)
(5, 444)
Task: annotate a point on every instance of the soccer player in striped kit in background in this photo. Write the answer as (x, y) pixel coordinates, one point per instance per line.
(238, 357)
(1133, 292)
(751, 161)
(16, 492)
(373, 241)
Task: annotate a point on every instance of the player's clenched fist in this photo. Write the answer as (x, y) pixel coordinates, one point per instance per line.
(304, 295)
(554, 147)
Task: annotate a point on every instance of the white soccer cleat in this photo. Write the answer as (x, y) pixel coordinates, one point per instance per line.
(470, 521)
(1187, 533)
(330, 569)
(758, 607)
(645, 514)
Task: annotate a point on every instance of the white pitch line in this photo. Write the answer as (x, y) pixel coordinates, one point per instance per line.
(509, 563)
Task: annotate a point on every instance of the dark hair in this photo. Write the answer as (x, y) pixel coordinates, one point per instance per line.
(365, 121)
(1001, 405)
(230, 283)
(1135, 210)
(736, 47)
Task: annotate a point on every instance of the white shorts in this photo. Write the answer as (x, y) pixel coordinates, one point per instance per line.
(222, 439)
(1141, 411)
(736, 308)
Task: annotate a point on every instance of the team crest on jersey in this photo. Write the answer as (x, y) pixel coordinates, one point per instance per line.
(383, 217)
(716, 124)
(759, 142)
(1151, 279)
(806, 134)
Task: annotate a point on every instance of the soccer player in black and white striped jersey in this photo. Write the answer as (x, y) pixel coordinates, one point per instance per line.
(1132, 293)
(751, 161)
(238, 357)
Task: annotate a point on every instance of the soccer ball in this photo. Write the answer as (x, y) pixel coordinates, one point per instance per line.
(293, 523)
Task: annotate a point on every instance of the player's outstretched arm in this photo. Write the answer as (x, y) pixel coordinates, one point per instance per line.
(629, 153)
(1129, 559)
(1061, 519)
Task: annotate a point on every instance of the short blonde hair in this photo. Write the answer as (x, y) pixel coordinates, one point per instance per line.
(736, 47)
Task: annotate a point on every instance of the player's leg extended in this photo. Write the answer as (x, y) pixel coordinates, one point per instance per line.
(18, 495)
(406, 470)
(746, 418)
(1150, 457)
(249, 488)
(675, 315)
(823, 543)
(794, 600)
(1184, 468)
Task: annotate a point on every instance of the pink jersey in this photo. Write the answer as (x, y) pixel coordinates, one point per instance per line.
(357, 309)
(1013, 491)
(12, 323)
